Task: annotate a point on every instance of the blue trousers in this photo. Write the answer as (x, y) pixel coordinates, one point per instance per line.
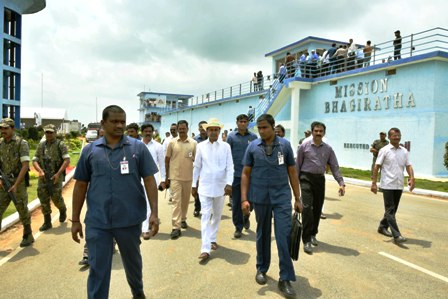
(100, 246)
(237, 213)
(282, 228)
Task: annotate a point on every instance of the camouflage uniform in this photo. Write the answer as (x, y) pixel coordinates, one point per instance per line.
(55, 152)
(377, 144)
(12, 154)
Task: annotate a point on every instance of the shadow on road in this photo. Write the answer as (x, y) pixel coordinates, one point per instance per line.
(334, 216)
(301, 286)
(24, 253)
(328, 248)
(231, 256)
(422, 243)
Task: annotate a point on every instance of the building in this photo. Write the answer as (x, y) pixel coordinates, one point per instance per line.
(153, 104)
(31, 117)
(11, 30)
(356, 98)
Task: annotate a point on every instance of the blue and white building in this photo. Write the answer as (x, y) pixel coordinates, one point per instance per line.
(355, 104)
(153, 104)
(11, 30)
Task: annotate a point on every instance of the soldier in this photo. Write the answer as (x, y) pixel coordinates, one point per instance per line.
(376, 146)
(50, 161)
(14, 160)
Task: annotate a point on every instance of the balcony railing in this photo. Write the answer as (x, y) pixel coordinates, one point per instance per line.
(269, 86)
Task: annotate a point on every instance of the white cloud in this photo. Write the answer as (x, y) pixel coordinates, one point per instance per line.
(111, 50)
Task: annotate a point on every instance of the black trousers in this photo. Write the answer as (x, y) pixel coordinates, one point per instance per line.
(197, 203)
(313, 195)
(391, 202)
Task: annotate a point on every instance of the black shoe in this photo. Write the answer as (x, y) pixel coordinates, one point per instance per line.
(139, 296)
(237, 234)
(84, 261)
(175, 233)
(260, 278)
(314, 241)
(384, 231)
(246, 222)
(45, 226)
(27, 240)
(400, 239)
(62, 215)
(184, 224)
(307, 248)
(285, 287)
(196, 213)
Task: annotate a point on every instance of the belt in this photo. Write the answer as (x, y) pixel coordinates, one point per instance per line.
(312, 174)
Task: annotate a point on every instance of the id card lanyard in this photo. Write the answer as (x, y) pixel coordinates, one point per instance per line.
(124, 164)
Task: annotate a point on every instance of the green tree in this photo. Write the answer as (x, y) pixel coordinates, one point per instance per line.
(445, 157)
(33, 133)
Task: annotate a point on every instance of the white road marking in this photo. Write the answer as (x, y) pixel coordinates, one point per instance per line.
(433, 274)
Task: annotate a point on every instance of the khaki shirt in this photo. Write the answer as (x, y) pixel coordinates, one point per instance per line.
(181, 154)
(379, 144)
(12, 154)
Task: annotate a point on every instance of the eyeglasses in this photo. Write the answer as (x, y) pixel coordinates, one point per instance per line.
(48, 132)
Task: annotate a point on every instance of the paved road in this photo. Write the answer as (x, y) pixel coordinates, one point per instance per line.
(351, 261)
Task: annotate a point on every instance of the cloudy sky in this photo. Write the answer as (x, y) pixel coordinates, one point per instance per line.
(111, 50)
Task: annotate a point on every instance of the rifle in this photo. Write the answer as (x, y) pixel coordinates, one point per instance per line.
(48, 175)
(7, 186)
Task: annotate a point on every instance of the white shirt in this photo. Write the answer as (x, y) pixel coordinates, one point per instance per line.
(393, 162)
(156, 151)
(165, 143)
(352, 48)
(213, 165)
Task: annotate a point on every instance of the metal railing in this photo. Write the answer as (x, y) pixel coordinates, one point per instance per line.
(269, 86)
(260, 85)
(424, 42)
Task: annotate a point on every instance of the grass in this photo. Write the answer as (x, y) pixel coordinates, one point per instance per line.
(419, 183)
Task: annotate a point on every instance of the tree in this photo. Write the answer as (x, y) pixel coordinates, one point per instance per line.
(445, 157)
(33, 133)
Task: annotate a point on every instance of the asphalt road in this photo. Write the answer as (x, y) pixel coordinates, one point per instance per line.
(351, 261)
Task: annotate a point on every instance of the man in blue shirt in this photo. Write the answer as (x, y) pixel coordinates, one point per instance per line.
(238, 141)
(109, 174)
(269, 167)
(202, 136)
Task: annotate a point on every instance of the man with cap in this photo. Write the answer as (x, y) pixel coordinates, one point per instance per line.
(213, 167)
(376, 146)
(14, 163)
(50, 161)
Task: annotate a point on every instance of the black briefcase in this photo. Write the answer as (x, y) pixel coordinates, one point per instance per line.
(296, 236)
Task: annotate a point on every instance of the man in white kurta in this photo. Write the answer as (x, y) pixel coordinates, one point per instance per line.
(156, 151)
(213, 166)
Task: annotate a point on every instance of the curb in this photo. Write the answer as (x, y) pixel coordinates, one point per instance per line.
(14, 218)
(417, 191)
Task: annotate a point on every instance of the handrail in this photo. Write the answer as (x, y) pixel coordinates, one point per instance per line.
(435, 39)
